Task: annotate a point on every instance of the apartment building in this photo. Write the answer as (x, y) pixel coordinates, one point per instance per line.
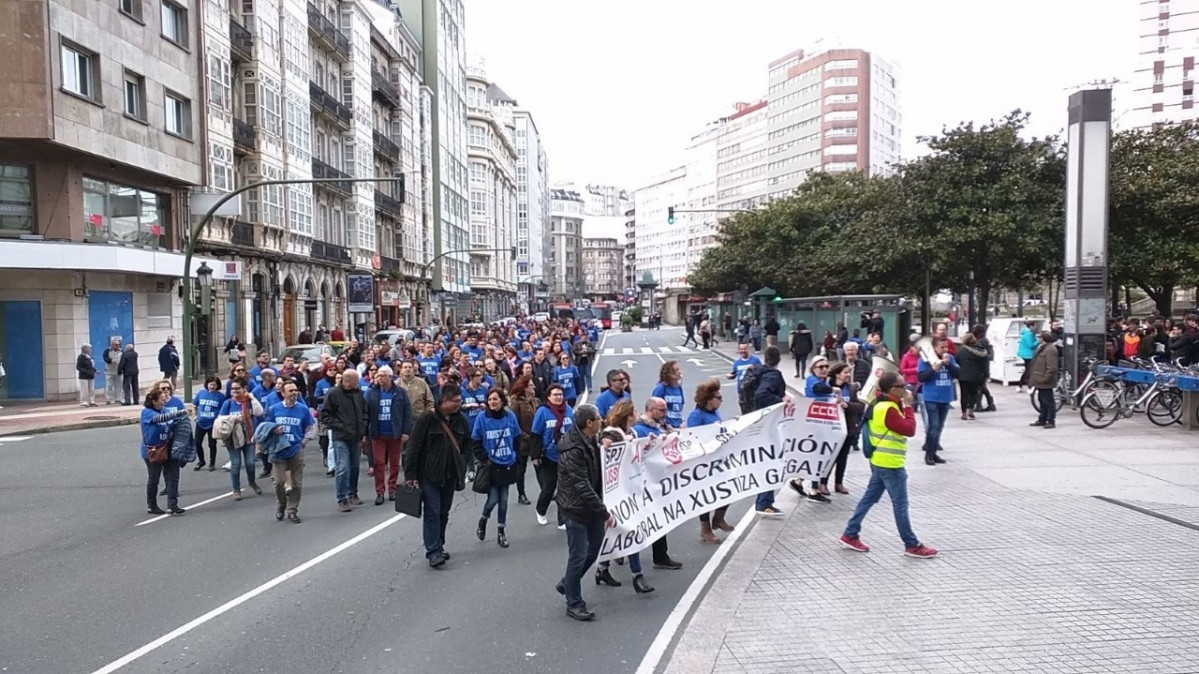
(603, 264)
(532, 214)
(101, 133)
(491, 130)
(566, 245)
(1163, 86)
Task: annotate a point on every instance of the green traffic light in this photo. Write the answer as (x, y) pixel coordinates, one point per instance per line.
(670, 221)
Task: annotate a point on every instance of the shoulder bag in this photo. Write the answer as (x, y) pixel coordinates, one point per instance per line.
(457, 453)
(158, 453)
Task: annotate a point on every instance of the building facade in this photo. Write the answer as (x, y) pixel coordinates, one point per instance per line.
(532, 214)
(1163, 85)
(630, 250)
(603, 268)
(566, 246)
(100, 145)
(491, 130)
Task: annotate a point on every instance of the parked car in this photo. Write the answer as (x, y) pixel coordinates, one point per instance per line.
(541, 317)
(312, 352)
(393, 336)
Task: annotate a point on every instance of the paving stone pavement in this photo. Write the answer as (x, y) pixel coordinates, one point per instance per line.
(1033, 575)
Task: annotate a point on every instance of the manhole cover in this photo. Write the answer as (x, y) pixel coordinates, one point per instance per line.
(100, 418)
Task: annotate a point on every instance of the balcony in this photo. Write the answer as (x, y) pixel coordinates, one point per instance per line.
(328, 252)
(241, 39)
(323, 29)
(383, 89)
(245, 135)
(385, 147)
(322, 171)
(388, 205)
(243, 234)
(388, 265)
(322, 102)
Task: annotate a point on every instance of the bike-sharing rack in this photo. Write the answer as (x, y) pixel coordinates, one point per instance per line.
(1188, 386)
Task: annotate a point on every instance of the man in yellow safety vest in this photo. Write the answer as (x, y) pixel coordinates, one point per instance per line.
(890, 421)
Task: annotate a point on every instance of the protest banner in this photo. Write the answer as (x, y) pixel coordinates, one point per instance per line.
(652, 485)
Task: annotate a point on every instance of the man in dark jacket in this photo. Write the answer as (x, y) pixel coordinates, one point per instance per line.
(579, 488)
(1042, 376)
(85, 368)
(801, 347)
(389, 423)
(858, 365)
(168, 362)
(772, 328)
(543, 373)
(127, 368)
(772, 389)
(435, 460)
(344, 413)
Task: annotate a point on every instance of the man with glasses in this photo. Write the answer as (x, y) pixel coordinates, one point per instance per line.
(435, 460)
(617, 390)
(890, 421)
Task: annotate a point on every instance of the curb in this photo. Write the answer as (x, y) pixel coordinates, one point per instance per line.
(76, 426)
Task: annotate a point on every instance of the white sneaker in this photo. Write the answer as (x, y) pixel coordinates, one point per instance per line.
(561, 527)
(1020, 390)
(541, 519)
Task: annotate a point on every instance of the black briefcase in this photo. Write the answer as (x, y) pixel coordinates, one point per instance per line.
(408, 500)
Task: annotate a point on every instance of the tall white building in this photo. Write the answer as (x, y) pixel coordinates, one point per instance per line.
(1164, 81)
(532, 214)
(565, 275)
(491, 129)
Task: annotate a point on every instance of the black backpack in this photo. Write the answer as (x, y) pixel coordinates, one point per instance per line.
(749, 387)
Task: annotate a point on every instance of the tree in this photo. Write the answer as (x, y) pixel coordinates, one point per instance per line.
(987, 204)
(1153, 221)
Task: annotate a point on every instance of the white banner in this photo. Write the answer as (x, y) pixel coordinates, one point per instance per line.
(653, 485)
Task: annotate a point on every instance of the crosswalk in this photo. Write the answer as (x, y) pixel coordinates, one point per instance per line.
(647, 350)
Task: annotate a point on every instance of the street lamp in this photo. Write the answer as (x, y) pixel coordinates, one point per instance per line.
(203, 329)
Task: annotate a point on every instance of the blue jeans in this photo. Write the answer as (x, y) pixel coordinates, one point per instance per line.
(583, 543)
(435, 515)
(634, 563)
(237, 459)
(348, 465)
(937, 414)
(894, 481)
(497, 496)
(585, 376)
(764, 500)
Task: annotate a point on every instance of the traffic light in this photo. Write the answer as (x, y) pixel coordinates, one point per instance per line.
(514, 253)
(670, 215)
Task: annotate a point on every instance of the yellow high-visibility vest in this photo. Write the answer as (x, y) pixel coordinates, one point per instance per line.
(890, 448)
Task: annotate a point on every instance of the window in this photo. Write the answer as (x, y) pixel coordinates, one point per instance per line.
(158, 310)
(135, 95)
(16, 199)
(79, 74)
(132, 8)
(478, 202)
(178, 115)
(220, 83)
(174, 23)
(114, 212)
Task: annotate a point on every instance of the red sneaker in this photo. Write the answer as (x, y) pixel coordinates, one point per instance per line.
(921, 551)
(855, 543)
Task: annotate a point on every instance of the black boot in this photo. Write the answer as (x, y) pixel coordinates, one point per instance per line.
(501, 538)
(523, 500)
(481, 532)
(604, 577)
(640, 586)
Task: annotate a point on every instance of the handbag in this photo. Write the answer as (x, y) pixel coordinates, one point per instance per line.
(482, 483)
(457, 453)
(157, 454)
(407, 500)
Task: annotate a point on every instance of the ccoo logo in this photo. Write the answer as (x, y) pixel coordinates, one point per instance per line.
(824, 411)
(789, 408)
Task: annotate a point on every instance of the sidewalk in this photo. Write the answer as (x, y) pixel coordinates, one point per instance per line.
(22, 418)
(1036, 572)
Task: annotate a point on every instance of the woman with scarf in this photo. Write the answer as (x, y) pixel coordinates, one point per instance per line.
(619, 428)
(246, 412)
(496, 433)
(707, 405)
(840, 375)
(549, 424)
(523, 401)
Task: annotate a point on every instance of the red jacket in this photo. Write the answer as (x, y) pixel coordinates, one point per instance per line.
(901, 420)
(908, 366)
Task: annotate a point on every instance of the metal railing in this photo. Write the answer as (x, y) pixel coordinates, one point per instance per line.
(243, 234)
(241, 40)
(323, 171)
(388, 264)
(245, 134)
(386, 146)
(321, 27)
(326, 103)
(387, 204)
(331, 253)
(382, 86)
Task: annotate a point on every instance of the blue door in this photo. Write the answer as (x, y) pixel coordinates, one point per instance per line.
(110, 314)
(21, 350)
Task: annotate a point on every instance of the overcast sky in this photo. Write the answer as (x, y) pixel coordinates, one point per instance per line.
(617, 87)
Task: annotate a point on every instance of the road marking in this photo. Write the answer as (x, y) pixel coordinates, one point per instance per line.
(646, 349)
(695, 591)
(628, 363)
(238, 601)
(609, 351)
(684, 349)
(190, 507)
(595, 364)
(14, 438)
(626, 350)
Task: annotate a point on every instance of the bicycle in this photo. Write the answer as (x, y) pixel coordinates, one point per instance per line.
(1062, 392)
(1104, 405)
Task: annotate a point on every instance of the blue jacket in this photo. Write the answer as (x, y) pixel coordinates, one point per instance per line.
(771, 388)
(937, 385)
(168, 358)
(268, 441)
(401, 411)
(1028, 345)
(815, 387)
(673, 395)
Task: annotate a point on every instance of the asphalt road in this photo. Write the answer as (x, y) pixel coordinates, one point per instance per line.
(227, 588)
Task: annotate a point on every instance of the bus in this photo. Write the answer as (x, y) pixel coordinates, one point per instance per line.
(562, 311)
(603, 311)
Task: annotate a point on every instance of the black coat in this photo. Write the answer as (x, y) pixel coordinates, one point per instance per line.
(85, 366)
(579, 480)
(771, 388)
(972, 364)
(861, 371)
(127, 366)
(344, 413)
(801, 343)
(543, 376)
(429, 455)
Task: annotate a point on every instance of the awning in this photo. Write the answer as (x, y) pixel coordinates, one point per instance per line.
(98, 257)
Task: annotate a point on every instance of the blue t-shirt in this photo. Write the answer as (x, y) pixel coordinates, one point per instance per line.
(295, 421)
(939, 389)
(208, 405)
(673, 395)
(544, 423)
(385, 427)
(605, 401)
(473, 401)
(475, 352)
(256, 375)
(566, 378)
(702, 417)
(154, 433)
(497, 436)
(321, 390)
(741, 365)
(429, 365)
(810, 384)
